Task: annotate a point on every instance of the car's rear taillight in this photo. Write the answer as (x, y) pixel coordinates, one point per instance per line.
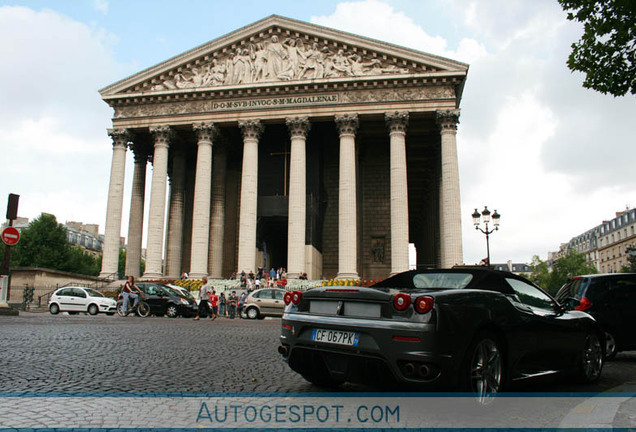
(287, 297)
(584, 304)
(296, 297)
(424, 304)
(401, 301)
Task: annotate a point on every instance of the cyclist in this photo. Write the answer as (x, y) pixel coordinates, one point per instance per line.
(130, 290)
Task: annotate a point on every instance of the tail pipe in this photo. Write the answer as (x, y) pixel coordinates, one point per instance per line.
(409, 369)
(423, 370)
(283, 350)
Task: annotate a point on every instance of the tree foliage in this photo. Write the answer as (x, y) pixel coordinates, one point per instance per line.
(606, 52)
(564, 268)
(44, 244)
(630, 252)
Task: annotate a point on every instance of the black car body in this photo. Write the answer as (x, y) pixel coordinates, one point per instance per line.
(611, 300)
(164, 300)
(466, 328)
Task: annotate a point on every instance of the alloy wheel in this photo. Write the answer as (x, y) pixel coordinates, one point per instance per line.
(252, 313)
(486, 369)
(610, 346)
(592, 358)
(171, 311)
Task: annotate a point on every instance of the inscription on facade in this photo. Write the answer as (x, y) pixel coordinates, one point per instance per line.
(358, 96)
(275, 102)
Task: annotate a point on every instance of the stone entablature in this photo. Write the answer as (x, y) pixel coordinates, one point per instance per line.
(230, 109)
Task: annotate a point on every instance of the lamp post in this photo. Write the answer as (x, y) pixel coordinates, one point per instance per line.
(486, 215)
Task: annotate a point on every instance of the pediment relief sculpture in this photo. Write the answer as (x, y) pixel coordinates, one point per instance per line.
(274, 60)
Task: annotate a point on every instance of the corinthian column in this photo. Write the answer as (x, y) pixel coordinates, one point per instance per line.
(298, 130)
(347, 207)
(136, 219)
(202, 196)
(157, 212)
(175, 215)
(450, 202)
(251, 130)
(112, 230)
(217, 224)
(397, 122)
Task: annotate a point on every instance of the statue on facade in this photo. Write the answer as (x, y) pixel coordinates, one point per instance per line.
(274, 60)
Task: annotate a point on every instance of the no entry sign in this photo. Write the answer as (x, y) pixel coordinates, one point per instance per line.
(10, 236)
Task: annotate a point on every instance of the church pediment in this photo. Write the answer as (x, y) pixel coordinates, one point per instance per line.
(277, 51)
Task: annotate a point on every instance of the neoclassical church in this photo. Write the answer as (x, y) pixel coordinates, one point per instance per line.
(287, 144)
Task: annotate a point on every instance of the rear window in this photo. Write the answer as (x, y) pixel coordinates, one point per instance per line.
(573, 289)
(442, 280)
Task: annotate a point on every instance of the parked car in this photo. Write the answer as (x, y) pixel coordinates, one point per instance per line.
(164, 300)
(80, 299)
(611, 300)
(467, 328)
(265, 302)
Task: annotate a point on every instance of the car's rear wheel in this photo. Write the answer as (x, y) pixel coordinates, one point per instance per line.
(54, 309)
(610, 346)
(172, 311)
(252, 313)
(591, 359)
(93, 309)
(483, 371)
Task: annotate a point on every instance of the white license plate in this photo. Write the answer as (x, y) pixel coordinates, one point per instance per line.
(336, 337)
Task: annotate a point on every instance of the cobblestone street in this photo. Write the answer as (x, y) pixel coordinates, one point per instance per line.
(45, 353)
(100, 355)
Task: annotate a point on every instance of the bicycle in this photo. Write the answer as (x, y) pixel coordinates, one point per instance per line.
(142, 308)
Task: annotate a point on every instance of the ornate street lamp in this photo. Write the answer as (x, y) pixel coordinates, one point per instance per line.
(486, 216)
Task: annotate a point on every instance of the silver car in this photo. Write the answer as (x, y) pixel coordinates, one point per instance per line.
(265, 302)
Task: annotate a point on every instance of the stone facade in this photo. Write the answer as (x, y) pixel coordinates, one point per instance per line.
(336, 152)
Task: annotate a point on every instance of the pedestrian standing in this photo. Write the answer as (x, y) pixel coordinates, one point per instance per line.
(214, 301)
(204, 297)
(222, 301)
(232, 301)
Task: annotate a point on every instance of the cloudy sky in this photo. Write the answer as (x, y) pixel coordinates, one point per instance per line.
(553, 158)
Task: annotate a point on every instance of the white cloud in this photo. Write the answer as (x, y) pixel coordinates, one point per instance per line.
(101, 6)
(381, 21)
(52, 119)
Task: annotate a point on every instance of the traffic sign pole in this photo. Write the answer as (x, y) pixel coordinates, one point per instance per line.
(10, 237)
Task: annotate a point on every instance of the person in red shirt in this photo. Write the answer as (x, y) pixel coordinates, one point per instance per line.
(214, 301)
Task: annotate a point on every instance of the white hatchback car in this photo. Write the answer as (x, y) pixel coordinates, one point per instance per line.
(80, 299)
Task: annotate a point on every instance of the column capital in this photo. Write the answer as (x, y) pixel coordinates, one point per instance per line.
(347, 123)
(140, 153)
(162, 135)
(205, 131)
(298, 126)
(251, 128)
(120, 137)
(397, 121)
(447, 120)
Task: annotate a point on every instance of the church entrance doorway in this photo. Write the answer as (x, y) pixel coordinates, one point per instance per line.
(273, 241)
